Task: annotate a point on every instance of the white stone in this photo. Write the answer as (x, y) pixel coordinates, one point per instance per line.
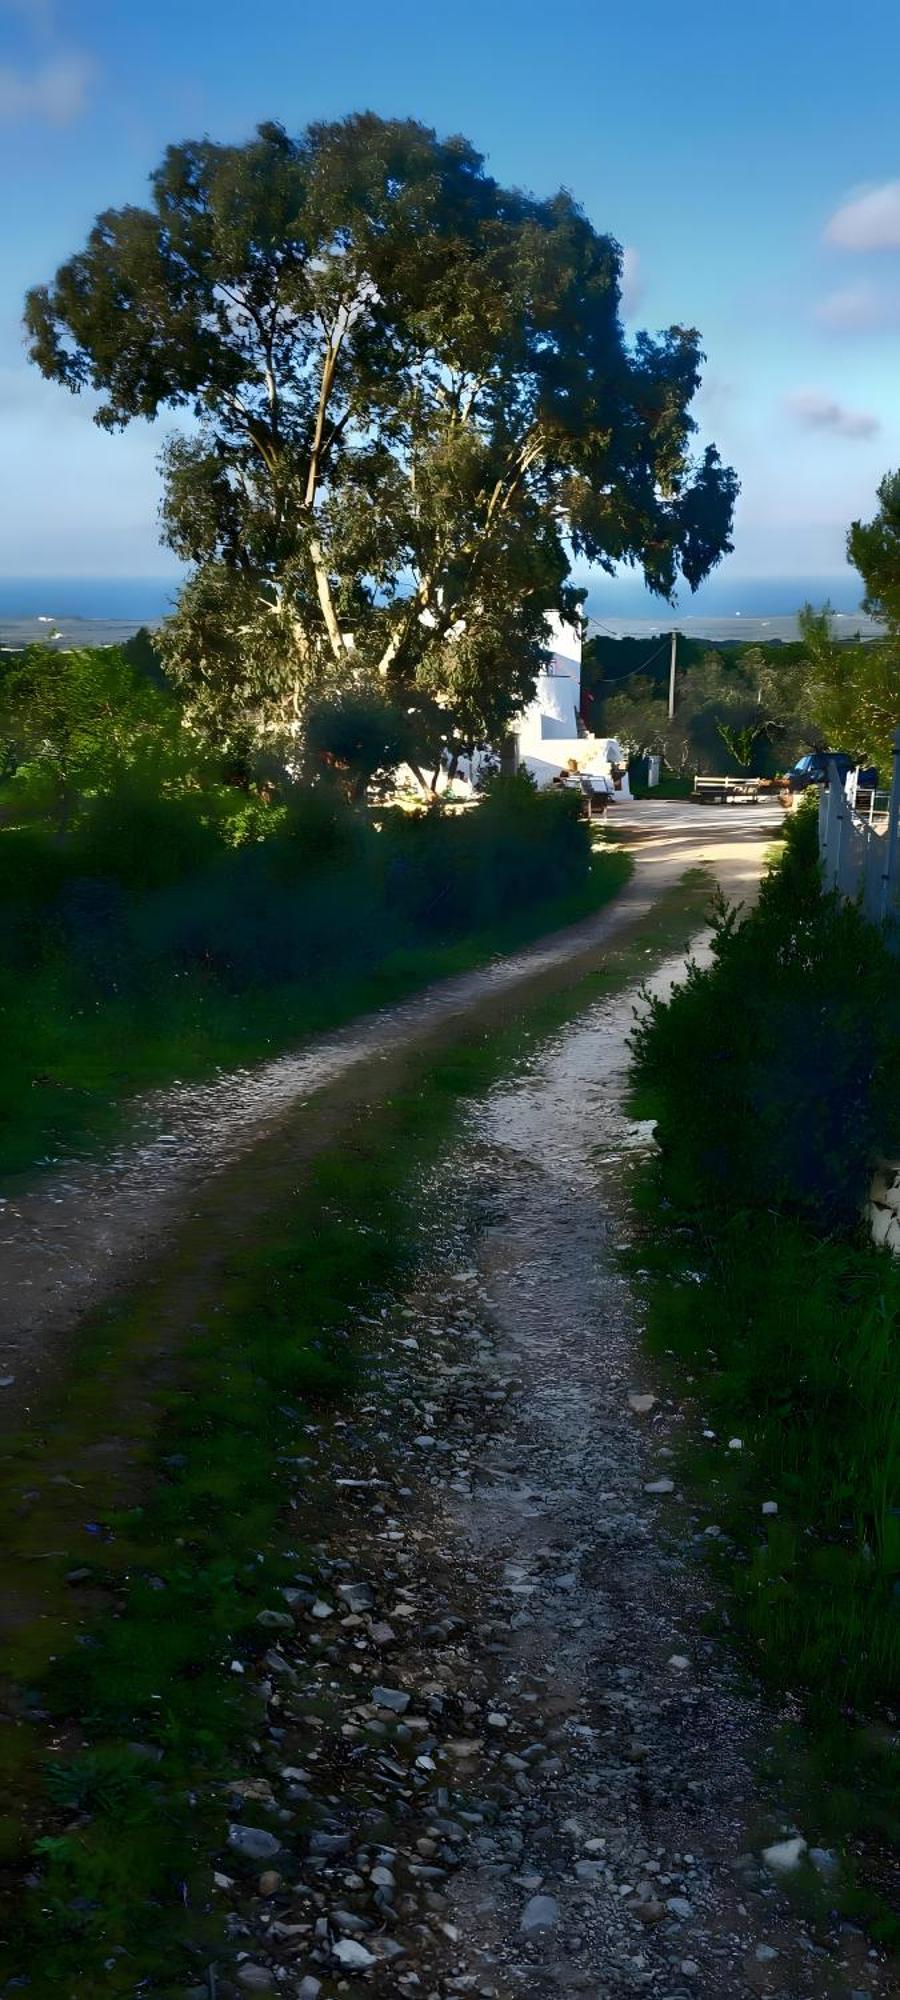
(785, 1855)
(770, 1506)
(354, 1957)
(540, 1914)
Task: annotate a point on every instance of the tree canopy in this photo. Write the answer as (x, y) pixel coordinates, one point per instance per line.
(852, 690)
(738, 709)
(410, 405)
(77, 719)
(874, 549)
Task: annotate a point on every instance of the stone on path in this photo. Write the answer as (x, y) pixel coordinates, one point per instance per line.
(253, 1841)
(539, 1914)
(256, 1978)
(784, 1855)
(394, 1699)
(354, 1957)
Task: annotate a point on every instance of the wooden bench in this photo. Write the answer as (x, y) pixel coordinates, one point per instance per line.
(727, 791)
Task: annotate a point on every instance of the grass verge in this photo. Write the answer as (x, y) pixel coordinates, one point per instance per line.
(773, 1079)
(68, 1069)
(144, 1525)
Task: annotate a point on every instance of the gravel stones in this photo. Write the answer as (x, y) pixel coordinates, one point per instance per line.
(255, 1978)
(541, 1913)
(394, 1699)
(357, 1596)
(253, 1842)
(353, 1956)
(552, 1777)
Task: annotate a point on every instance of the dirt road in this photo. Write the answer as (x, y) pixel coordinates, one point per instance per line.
(70, 1240)
(535, 1771)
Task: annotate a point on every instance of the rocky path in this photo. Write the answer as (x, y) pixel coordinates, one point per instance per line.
(506, 1751)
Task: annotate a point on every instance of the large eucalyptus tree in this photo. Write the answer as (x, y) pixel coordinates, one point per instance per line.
(411, 405)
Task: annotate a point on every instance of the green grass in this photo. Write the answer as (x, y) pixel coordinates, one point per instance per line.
(788, 1343)
(776, 1321)
(670, 786)
(167, 1436)
(69, 1062)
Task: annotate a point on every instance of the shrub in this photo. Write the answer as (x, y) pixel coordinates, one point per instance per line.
(136, 835)
(773, 1075)
(773, 1078)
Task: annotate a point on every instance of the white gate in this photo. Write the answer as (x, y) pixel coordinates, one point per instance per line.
(860, 859)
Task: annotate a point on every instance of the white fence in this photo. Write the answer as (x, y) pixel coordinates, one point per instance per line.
(861, 856)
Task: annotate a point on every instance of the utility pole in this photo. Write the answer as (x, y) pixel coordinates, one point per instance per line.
(672, 659)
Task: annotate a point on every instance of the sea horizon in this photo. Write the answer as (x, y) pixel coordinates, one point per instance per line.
(92, 610)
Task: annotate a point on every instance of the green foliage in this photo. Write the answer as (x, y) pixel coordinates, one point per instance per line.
(79, 719)
(135, 835)
(733, 710)
(873, 547)
(413, 401)
(361, 736)
(773, 1079)
(796, 1340)
(852, 690)
(172, 932)
(775, 1070)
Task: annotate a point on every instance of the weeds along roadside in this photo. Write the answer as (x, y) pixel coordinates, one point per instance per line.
(143, 949)
(146, 1528)
(774, 1077)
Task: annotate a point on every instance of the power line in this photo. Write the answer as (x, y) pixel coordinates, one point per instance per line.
(629, 673)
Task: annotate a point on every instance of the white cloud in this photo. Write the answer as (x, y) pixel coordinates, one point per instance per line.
(632, 282)
(860, 309)
(817, 412)
(854, 309)
(55, 90)
(869, 221)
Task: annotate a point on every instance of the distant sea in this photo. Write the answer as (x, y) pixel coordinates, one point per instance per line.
(86, 610)
(95, 611)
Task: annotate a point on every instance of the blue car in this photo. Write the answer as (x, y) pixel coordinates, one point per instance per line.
(816, 768)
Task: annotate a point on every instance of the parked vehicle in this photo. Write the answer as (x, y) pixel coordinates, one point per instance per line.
(816, 768)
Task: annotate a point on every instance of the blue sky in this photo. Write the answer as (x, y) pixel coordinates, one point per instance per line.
(747, 157)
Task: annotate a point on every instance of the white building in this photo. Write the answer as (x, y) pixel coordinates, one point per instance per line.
(551, 735)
